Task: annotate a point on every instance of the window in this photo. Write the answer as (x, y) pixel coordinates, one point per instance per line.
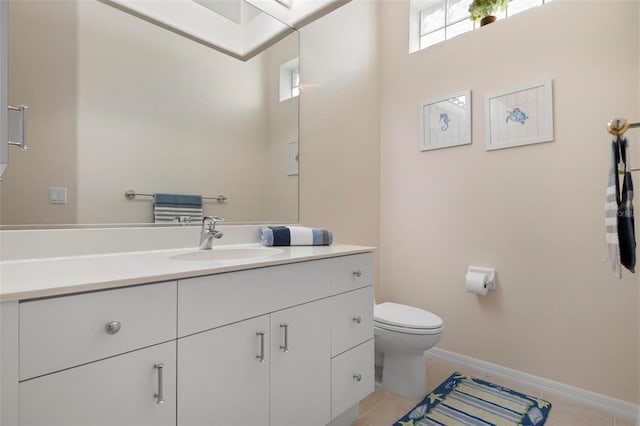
(289, 80)
(433, 21)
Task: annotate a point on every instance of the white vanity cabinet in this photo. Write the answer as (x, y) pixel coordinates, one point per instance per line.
(280, 345)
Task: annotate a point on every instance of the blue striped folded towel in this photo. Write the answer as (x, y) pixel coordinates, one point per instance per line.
(295, 236)
(169, 208)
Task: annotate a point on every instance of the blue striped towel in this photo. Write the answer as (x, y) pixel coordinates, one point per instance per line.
(626, 225)
(611, 213)
(171, 208)
(295, 236)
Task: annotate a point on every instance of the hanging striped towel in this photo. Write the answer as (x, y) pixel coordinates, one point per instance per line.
(295, 236)
(611, 213)
(173, 208)
(626, 232)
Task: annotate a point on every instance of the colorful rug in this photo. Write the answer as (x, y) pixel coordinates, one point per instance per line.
(465, 400)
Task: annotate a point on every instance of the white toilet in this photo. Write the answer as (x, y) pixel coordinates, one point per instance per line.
(402, 335)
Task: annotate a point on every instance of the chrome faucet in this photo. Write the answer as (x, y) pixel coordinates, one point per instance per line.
(208, 231)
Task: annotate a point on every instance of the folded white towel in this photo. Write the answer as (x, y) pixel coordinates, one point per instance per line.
(295, 236)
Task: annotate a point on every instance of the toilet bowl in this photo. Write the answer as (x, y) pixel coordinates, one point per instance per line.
(402, 334)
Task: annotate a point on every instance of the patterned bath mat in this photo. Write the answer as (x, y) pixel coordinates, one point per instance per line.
(465, 400)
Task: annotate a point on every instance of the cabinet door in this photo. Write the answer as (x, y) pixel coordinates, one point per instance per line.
(301, 365)
(222, 380)
(115, 391)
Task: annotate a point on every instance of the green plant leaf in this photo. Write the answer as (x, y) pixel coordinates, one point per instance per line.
(478, 9)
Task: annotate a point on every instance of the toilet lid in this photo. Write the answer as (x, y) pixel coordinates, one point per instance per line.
(405, 316)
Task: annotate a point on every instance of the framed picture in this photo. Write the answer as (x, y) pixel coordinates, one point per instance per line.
(292, 159)
(446, 121)
(519, 116)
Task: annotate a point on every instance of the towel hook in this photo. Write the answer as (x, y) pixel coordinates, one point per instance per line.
(618, 126)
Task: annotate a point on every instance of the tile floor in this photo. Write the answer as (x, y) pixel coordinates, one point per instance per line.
(383, 409)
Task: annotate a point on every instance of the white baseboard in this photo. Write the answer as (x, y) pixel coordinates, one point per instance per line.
(602, 402)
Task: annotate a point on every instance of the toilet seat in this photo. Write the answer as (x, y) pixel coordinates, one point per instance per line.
(406, 319)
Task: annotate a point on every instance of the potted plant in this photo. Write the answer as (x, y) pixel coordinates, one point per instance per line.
(483, 10)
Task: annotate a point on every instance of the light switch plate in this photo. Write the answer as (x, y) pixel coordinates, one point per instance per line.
(58, 195)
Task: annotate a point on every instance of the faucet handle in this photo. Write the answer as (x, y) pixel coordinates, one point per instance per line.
(212, 219)
(209, 222)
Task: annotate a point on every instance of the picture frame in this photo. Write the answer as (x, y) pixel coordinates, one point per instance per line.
(445, 121)
(292, 158)
(519, 116)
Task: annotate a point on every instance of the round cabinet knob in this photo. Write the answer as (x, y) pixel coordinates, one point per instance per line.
(357, 273)
(113, 327)
(357, 377)
(357, 319)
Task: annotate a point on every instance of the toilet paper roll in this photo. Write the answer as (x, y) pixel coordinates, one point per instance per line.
(476, 283)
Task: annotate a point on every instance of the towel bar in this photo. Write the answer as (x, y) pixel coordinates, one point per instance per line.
(130, 194)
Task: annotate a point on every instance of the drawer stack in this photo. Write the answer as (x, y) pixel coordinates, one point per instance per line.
(352, 352)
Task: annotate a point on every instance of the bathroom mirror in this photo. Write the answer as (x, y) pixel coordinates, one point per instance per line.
(117, 103)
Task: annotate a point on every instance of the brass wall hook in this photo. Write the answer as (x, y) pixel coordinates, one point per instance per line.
(618, 126)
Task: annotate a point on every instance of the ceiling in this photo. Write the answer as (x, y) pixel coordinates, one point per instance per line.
(240, 28)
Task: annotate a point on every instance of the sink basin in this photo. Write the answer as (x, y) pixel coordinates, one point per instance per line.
(228, 253)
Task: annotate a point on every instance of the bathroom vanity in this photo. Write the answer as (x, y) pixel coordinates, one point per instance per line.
(285, 339)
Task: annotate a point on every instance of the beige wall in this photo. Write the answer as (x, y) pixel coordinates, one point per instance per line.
(339, 130)
(535, 213)
(282, 202)
(42, 75)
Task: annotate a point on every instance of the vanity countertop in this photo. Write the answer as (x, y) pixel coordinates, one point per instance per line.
(43, 277)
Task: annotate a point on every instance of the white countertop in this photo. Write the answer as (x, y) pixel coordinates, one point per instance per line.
(42, 277)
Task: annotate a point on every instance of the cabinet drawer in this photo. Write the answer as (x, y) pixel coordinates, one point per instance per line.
(216, 300)
(346, 389)
(66, 331)
(351, 272)
(351, 319)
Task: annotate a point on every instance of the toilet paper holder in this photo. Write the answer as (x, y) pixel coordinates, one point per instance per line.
(489, 273)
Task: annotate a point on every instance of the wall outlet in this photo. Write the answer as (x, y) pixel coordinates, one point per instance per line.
(58, 195)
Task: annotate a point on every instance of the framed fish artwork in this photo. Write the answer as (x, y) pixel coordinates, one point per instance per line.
(445, 121)
(519, 116)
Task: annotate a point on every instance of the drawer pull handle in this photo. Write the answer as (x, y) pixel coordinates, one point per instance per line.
(357, 319)
(357, 377)
(357, 273)
(260, 356)
(113, 327)
(285, 347)
(159, 396)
